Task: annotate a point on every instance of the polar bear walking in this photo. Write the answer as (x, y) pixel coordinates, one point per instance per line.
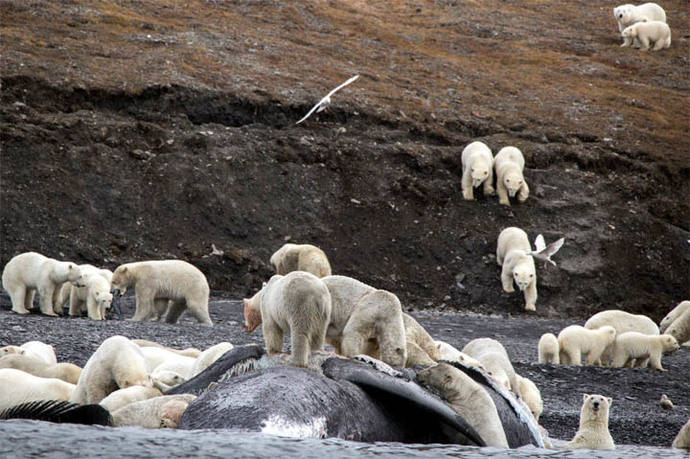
(594, 424)
(633, 346)
(477, 168)
(512, 253)
(298, 303)
(160, 282)
(509, 165)
(574, 341)
(627, 15)
(29, 272)
(647, 32)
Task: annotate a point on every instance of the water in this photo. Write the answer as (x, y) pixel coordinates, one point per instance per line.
(22, 439)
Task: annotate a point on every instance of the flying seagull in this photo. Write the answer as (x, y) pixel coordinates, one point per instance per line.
(323, 103)
(544, 251)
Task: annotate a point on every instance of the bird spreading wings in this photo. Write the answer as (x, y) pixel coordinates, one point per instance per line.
(323, 103)
(544, 252)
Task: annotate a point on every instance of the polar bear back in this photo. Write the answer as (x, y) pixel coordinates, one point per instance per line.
(623, 322)
(301, 257)
(33, 269)
(674, 314)
(638, 345)
(157, 356)
(511, 238)
(172, 279)
(17, 387)
(509, 155)
(209, 356)
(123, 397)
(477, 151)
(680, 328)
(43, 351)
(345, 292)
(283, 300)
(548, 350)
(494, 357)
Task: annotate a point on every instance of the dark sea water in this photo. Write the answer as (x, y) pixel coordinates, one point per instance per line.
(25, 439)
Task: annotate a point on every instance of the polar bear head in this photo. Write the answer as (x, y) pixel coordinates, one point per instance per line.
(669, 343)
(68, 272)
(171, 413)
(479, 172)
(630, 31)
(595, 408)
(622, 11)
(524, 273)
(513, 181)
(252, 312)
(122, 278)
(6, 350)
(104, 299)
(440, 376)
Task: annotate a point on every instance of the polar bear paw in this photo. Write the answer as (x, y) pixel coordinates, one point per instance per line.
(530, 307)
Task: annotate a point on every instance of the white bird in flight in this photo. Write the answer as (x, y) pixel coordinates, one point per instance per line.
(323, 103)
(544, 251)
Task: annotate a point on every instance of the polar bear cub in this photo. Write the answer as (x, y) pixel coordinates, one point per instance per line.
(29, 272)
(631, 346)
(469, 399)
(574, 340)
(448, 352)
(298, 303)
(95, 296)
(509, 165)
(647, 32)
(174, 281)
(512, 251)
(623, 322)
(301, 257)
(67, 372)
(594, 424)
(530, 394)
(17, 387)
(627, 15)
(548, 350)
(477, 168)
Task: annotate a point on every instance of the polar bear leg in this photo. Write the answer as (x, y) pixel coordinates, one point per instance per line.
(354, 335)
(531, 297)
(467, 189)
(644, 43)
(19, 295)
(572, 357)
(299, 344)
(273, 337)
(660, 44)
(144, 305)
(45, 301)
(160, 306)
(199, 309)
(523, 194)
(92, 308)
(29, 298)
(175, 310)
(502, 192)
(73, 302)
(488, 184)
(318, 338)
(507, 278)
(655, 360)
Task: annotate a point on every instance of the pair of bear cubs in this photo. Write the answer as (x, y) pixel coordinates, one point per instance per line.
(478, 165)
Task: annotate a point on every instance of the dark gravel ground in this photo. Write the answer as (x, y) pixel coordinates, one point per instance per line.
(636, 417)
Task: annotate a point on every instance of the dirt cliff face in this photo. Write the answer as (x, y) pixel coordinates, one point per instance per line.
(137, 130)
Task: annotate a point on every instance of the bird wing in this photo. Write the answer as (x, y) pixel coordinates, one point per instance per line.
(342, 85)
(311, 111)
(554, 247)
(539, 243)
(545, 253)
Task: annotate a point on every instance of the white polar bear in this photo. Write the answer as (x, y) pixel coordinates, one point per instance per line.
(495, 359)
(574, 340)
(43, 351)
(594, 424)
(468, 399)
(166, 380)
(530, 394)
(95, 296)
(631, 346)
(157, 357)
(209, 356)
(627, 15)
(647, 32)
(154, 413)
(17, 387)
(623, 322)
(680, 328)
(163, 281)
(477, 168)
(67, 372)
(448, 352)
(673, 315)
(188, 352)
(512, 251)
(298, 303)
(301, 257)
(116, 364)
(682, 440)
(362, 314)
(28, 272)
(509, 165)
(122, 397)
(415, 333)
(548, 350)
(181, 365)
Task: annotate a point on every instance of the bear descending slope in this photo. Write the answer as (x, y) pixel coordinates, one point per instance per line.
(301, 257)
(477, 168)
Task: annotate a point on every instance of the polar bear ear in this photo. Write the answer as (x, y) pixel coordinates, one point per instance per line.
(584, 397)
(610, 400)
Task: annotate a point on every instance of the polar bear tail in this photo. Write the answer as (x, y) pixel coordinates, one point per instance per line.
(60, 412)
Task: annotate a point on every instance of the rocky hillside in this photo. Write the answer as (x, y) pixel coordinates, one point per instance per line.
(136, 130)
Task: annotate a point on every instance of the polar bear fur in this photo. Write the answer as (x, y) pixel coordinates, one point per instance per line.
(361, 314)
(188, 352)
(17, 387)
(95, 297)
(495, 359)
(448, 352)
(468, 399)
(298, 303)
(680, 328)
(67, 372)
(623, 322)
(154, 413)
(648, 32)
(594, 424)
(548, 350)
(574, 340)
(631, 346)
(512, 250)
(301, 257)
(477, 168)
(123, 397)
(530, 394)
(418, 335)
(682, 440)
(627, 15)
(43, 351)
(164, 380)
(164, 359)
(209, 356)
(181, 365)
(673, 315)
(117, 364)
(30, 272)
(175, 280)
(509, 165)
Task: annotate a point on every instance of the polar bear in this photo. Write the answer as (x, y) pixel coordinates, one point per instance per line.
(627, 15)
(623, 322)
(470, 400)
(530, 394)
(175, 280)
(631, 346)
(682, 440)
(188, 352)
(594, 424)
(673, 315)
(301, 257)
(29, 272)
(209, 356)
(67, 372)
(41, 350)
(548, 350)
(448, 352)
(647, 32)
(165, 380)
(680, 328)
(495, 359)
(95, 296)
(163, 359)
(154, 413)
(574, 340)
(361, 314)
(181, 365)
(418, 335)
(512, 251)
(122, 397)
(298, 303)
(509, 165)
(17, 387)
(116, 364)
(477, 168)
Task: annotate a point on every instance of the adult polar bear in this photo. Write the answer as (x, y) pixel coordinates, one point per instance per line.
(301, 257)
(28, 272)
(161, 282)
(512, 253)
(477, 168)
